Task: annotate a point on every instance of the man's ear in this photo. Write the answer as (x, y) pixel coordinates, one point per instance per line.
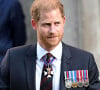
(33, 24)
(64, 19)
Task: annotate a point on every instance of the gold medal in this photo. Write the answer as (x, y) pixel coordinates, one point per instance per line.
(74, 85)
(74, 79)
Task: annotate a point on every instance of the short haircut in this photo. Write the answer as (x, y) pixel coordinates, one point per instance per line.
(45, 5)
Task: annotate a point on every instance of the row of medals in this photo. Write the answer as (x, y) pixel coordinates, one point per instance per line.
(69, 83)
(84, 82)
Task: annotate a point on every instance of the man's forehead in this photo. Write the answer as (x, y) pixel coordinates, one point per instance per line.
(46, 14)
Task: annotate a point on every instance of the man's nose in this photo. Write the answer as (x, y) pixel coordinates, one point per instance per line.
(52, 28)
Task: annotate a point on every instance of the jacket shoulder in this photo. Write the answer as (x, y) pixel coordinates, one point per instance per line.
(74, 50)
(21, 49)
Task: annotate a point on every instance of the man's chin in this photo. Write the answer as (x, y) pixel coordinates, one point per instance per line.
(52, 44)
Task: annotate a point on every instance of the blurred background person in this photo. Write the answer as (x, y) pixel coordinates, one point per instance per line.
(12, 25)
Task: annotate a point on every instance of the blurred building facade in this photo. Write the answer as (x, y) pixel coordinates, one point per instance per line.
(82, 27)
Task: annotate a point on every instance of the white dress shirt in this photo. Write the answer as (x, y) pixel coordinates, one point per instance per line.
(57, 52)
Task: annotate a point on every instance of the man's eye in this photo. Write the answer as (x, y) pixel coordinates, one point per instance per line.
(56, 23)
(46, 24)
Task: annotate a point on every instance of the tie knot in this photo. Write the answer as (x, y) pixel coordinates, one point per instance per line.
(48, 58)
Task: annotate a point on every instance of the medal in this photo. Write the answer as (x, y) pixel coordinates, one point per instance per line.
(86, 81)
(78, 78)
(48, 72)
(80, 82)
(74, 80)
(67, 80)
(68, 83)
(74, 84)
(47, 69)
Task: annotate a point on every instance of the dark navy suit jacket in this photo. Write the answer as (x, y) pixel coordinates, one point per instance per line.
(19, 67)
(12, 25)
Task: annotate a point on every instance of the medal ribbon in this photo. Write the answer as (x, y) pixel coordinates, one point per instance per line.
(77, 76)
(65, 75)
(72, 72)
(80, 75)
(87, 75)
(50, 62)
(70, 75)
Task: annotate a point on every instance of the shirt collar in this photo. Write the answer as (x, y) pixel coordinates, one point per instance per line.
(57, 52)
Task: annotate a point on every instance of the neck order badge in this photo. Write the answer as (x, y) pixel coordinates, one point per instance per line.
(47, 73)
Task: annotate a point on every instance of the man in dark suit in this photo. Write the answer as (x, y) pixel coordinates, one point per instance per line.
(49, 64)
(12, 26)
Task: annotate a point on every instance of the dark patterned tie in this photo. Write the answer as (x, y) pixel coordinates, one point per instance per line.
(47, 72)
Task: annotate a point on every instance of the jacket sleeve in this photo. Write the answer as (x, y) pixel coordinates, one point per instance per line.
(4, 73)
(17, 24)
(93, 75)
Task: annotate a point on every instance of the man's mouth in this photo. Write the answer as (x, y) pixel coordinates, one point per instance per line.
(52, 37)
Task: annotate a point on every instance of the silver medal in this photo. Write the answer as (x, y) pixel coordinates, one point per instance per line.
(86, 83)
(80, 83)
(68, 83)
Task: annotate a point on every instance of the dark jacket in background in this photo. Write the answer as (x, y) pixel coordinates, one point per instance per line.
(12, 25)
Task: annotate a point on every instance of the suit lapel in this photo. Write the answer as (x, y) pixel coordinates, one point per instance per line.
(30, 65)
(65, 65)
